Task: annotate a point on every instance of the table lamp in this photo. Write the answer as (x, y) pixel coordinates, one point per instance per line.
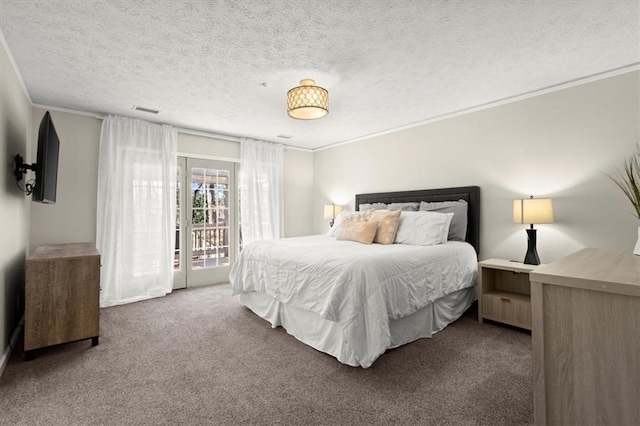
(331, 211)
(532, 211)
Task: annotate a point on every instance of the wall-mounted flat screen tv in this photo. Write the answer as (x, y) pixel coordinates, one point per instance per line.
(47, 162)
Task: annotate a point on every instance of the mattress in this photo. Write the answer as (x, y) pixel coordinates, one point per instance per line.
(360, 290)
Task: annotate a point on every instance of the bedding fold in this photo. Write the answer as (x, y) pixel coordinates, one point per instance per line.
(360, 287)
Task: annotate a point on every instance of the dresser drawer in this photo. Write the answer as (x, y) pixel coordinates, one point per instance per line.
(508, 308)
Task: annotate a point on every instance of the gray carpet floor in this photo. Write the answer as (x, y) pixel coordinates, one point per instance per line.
(198, 357)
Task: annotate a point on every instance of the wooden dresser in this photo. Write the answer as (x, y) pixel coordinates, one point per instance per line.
(62, 295)
(586, 339)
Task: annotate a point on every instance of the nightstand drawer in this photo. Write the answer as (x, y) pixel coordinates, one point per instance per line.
(508, 308)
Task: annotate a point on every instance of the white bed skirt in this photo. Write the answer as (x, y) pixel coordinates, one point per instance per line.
(327, 336)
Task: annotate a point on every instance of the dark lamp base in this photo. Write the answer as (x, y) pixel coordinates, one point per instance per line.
(531, 258)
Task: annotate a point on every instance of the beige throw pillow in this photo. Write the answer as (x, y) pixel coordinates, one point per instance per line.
(361, 232)
(387, 225)
(360, 216)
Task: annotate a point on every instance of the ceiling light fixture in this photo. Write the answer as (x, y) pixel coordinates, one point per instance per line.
(307, 101)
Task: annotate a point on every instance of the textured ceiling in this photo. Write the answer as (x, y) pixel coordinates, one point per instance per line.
(386, 63)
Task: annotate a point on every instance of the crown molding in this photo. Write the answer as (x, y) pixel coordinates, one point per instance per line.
(183, 130)
(543, 91)
(15, 67)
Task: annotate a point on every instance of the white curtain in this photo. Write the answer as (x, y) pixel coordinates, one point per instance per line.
(261, 187)
(136, 223)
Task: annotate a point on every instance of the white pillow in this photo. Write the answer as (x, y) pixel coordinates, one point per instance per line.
(333, 232)
(361, 216)
(423, 228)
(375, 206)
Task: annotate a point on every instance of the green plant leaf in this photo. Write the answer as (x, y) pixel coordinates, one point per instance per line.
(628, 179)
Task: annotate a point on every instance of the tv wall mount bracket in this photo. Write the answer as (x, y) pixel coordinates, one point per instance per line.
(21, 169)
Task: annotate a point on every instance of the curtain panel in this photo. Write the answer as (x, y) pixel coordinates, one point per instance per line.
(136, 209)
(261, 189)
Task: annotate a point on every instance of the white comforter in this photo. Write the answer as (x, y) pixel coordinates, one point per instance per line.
(358, 286)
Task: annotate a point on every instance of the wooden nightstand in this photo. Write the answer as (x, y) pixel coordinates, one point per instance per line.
(504, 292)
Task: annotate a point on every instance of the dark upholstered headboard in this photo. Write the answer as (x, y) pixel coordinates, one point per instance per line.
(471, 194)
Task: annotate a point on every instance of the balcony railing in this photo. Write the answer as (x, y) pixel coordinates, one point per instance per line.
(209, 247)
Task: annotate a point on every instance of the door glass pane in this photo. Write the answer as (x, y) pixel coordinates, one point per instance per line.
(239, 221)
(210, 217)
(176, 251)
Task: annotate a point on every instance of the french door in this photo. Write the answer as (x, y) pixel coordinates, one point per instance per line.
(206, 222)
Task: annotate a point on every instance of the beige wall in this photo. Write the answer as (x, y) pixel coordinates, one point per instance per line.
(15, 125)
(554, 145)
(298, 193)
(298, 177)
(73, 217)
(191, 145)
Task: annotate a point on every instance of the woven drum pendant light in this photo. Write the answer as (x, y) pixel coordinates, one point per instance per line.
(307, 101)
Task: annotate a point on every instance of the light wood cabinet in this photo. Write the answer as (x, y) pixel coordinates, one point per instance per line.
(504, 292)
(62, 295)
(586, 349)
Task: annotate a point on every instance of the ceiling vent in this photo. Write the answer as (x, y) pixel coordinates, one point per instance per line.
(147, 110)
(284, 136)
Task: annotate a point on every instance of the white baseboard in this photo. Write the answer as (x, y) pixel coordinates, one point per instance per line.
(4, 359)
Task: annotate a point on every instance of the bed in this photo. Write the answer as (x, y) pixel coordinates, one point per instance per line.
(355, 301)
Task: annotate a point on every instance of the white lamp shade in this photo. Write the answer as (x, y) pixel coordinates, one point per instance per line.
(331, 211)
(534, 210)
